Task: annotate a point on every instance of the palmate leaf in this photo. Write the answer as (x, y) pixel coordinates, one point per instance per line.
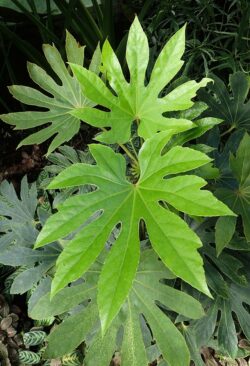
(63, 97)
(232, 108)
(64, 157)
(18, 228)
(17, 215)
(199, 332)
(237, 196)
(120, 202)
(200, 125)
(148, 291)
(133, 100)
(202, 330)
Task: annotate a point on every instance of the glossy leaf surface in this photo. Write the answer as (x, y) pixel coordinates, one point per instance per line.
(134, 100)
(143, 299)
(118, 201)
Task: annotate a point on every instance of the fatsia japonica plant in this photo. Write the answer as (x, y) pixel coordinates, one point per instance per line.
(64, 95)
(145, 194)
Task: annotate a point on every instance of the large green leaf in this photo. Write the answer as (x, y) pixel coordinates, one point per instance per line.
(232, 108)
(225, 328)
(63, 97)
(237, 196)
(118, 201)
(148, 294)
(133, 100)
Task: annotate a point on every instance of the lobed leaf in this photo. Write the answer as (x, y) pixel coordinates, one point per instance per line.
(117, 201)
(76, 327)
(237, 197)
(125, 333)
(131, 101)
(232, 107)
(57, 101)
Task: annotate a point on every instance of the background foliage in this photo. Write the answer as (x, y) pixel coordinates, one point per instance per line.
(217, 47)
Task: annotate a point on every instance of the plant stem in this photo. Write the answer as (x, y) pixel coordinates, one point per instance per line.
(133, 147)
(142, 230)
(228, 131)
(138, 122)
(132, 157)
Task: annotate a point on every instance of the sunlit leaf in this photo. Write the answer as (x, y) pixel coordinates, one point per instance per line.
(137, 100)
(119, 201)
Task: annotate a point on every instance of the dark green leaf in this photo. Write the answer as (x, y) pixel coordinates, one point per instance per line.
(224, 230)
(237, 197)
(232, 108)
